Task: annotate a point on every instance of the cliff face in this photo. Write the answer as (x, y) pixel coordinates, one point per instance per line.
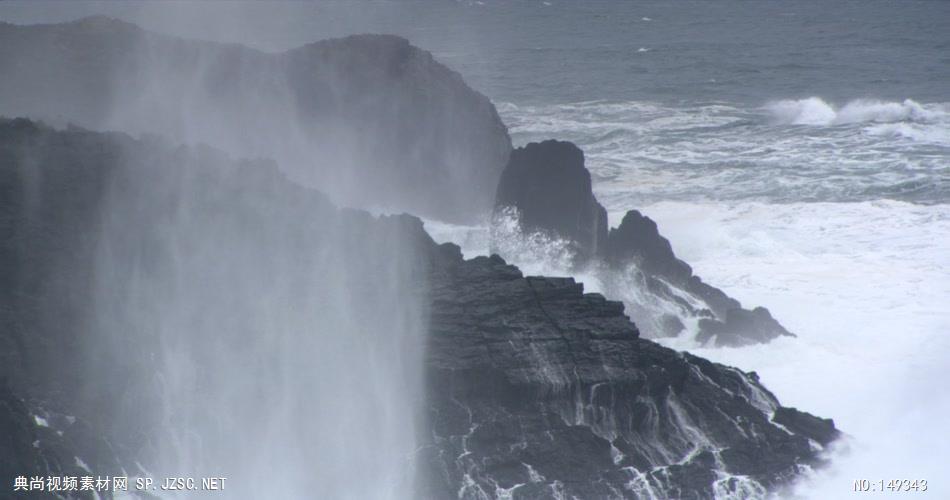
(528, 386)
(547, 190)
(370, 118)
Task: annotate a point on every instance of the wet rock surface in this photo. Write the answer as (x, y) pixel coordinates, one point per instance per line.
(537, 389)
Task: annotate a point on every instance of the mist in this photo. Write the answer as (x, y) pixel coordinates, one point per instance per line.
(244, 326)
(218, 320)
(276, 342)
(369, 120)
(287, 351)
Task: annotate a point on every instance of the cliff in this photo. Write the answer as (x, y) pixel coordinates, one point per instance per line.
(529, 386)
(538, 390)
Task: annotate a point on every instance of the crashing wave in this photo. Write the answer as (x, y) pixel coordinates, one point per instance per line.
(816, 111)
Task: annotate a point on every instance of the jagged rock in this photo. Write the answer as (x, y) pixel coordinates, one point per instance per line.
(550, 190)
(538, 390)
(638, 240)
(637, 237)
(375, 118)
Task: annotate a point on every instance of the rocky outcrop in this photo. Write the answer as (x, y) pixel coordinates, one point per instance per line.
(17, 435)
(370, 118)
(638, 240)
(547, 188)
(538, 390)
(532, 387)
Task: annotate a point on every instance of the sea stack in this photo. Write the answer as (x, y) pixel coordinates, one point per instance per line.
(546, 186)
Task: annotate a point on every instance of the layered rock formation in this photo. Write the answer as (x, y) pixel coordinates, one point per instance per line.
(532, 388)
(547, 188)
(370, 118)
(538, 390)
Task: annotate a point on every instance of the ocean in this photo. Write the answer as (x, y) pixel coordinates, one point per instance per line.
(796, 154)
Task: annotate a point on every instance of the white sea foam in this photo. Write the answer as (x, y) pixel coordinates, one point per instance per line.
(811, 111)
(923, 133)
(864, 285)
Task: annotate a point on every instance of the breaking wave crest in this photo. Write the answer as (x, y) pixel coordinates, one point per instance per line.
(816, 111)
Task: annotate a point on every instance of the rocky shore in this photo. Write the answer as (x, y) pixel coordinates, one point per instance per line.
(131, 263)
(532, 386)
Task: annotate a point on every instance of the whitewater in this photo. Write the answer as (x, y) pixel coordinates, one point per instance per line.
(834, 216)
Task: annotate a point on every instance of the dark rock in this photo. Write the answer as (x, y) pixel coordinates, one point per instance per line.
(821, 430)
(33, 444)
(550, 189)
(372, 116)
(670, 325)
(740, 327)
(17, 434)
(638, 238)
